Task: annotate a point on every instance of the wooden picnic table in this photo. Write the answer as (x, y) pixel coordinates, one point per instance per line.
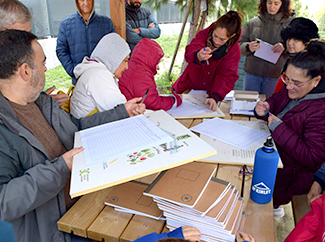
(89, 217)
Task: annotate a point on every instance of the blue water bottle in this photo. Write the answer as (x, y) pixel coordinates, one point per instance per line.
(265, 168)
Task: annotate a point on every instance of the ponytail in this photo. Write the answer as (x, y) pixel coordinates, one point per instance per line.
(231, 21)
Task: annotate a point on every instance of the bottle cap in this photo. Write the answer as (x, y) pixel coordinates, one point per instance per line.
(269, 142)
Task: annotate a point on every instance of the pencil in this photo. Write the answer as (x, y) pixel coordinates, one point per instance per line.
(144, 96)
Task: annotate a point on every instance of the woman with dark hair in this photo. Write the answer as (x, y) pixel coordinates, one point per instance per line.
(296, 118)
(213, 58)
(274, 15)
(295, 37)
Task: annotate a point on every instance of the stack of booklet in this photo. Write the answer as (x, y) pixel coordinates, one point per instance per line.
(190, 195)
(244, 102)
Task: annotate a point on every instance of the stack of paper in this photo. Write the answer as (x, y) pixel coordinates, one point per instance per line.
(244, 102)
(189, 195)
(128, 197)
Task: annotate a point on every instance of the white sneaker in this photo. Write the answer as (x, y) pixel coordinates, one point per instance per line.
(278, 212)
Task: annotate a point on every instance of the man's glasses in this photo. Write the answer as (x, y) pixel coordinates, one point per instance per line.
(294, 84)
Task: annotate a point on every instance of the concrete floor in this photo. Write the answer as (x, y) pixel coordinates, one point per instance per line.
(283, 226)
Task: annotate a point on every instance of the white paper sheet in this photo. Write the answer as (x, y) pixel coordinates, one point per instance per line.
(110, 141)
(265, 52)
(229, 96)
(229, 154)
(197, 91)
(187, 109)
(231, 133)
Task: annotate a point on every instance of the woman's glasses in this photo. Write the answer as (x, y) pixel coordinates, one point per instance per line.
(294, 84)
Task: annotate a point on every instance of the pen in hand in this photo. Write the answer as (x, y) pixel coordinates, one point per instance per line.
(267, 110)
(144, 96)
(206, 60)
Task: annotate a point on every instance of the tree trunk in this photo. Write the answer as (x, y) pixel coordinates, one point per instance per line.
(193, 26)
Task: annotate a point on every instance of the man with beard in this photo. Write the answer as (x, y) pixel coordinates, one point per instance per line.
(139, 23)
(36, 141)
(79, 34)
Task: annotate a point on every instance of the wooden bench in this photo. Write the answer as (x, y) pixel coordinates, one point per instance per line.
(300, 206)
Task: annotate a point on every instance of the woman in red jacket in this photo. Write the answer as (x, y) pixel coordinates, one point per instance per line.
(135, 81)
(213, 58)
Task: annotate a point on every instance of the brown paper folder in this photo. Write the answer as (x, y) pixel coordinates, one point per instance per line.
(182, 185)
(128, 197)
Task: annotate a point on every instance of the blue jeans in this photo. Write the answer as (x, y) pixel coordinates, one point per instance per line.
(262, 84)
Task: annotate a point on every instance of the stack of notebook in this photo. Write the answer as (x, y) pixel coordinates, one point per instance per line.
(190, 195)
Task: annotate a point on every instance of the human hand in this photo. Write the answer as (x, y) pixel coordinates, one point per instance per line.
(191, 233)
(68, 156)
(262, 107)
(314, 192)
(271, 118)
(50, 90)
(254, 46)
(241, 236)
(151, 25)
(136, 30)
(134, 107)
(278, 47)
(213, 104)
(204, 54)
(60, 97)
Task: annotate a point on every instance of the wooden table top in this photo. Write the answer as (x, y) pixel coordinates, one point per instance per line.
(89, 217)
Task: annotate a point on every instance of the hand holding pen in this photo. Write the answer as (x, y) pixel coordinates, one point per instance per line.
(204, 54)
(136, 106)
(262, 107)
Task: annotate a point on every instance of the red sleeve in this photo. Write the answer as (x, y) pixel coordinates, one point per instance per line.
(144, 80)
(310, 225)
(196, 44)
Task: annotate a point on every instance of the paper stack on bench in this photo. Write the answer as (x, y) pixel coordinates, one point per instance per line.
(190, 195)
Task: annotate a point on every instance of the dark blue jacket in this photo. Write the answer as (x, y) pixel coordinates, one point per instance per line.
(153, 237)
(77, 38)
(319, 176)
(139, 18)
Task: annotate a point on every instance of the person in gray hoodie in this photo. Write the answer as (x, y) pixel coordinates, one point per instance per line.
(261, 75)
(97, 88)
(36, 141)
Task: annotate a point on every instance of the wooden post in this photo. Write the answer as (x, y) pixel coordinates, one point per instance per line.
(180, 37)
(117, 8)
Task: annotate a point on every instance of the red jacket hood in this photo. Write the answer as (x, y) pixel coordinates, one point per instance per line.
(148, 52)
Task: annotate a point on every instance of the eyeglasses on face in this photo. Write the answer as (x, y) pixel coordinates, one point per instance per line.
(294, 84)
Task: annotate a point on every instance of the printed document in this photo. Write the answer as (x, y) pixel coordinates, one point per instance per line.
(109, 141)
(231, 133)
(187, 109)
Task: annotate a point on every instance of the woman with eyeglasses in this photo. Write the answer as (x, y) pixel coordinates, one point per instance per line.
(213, 59)
(296, 118)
